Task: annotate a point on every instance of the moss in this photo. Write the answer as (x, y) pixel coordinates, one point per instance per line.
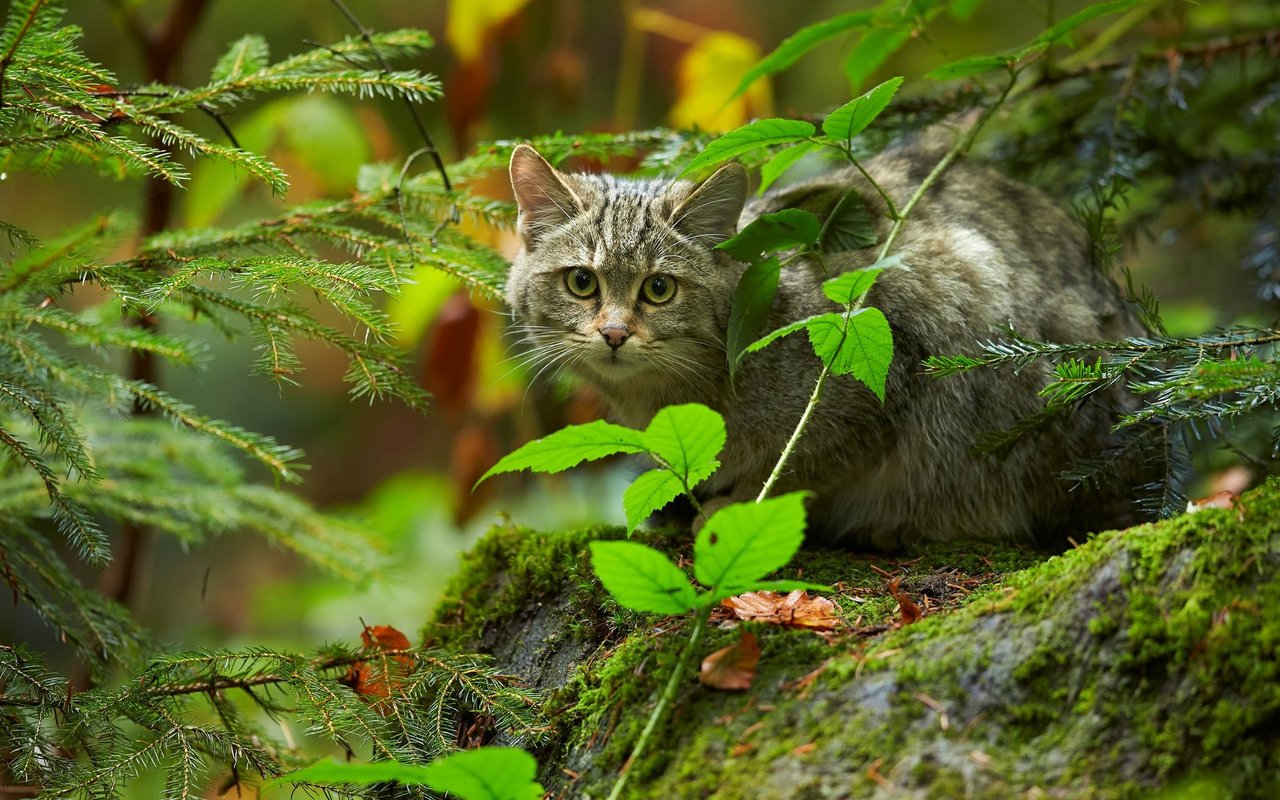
(1145, 660)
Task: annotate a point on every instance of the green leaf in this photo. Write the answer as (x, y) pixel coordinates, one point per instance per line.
(649, 492)
(973, 65)
(781, 230)
(744, 542)
(781, 587)
(847, 288)
(487, 773)
(849, 226)
(872, 51)
(641, 578)
(246, 56)
(752, 300)
(864, 352)
(327, 136)
(785, 330)
(753, 136)
(782, 161)
(687, 438)
(1054, 33)
(963, 10)
(569, 447)
(853, 117)
(801, 42)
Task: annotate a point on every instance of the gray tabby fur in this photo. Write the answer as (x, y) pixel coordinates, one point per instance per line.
(980, 252)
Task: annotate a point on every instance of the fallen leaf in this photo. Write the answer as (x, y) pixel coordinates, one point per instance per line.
(794, 610)
(1223, 498)
(741, 749)
(906, 606)
(804, 749)
(732, 668)
(376, 675)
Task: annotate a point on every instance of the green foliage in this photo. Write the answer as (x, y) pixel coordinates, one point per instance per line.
(853, 117)
(752, 136)
(489, 773)
(196, 710)
(683, 440)
(743, 542)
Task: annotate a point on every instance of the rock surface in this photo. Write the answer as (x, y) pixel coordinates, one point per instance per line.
(1145, 663)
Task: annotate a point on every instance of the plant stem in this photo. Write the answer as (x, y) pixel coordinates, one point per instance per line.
(962, 144)
(796, 434)
(668, 694)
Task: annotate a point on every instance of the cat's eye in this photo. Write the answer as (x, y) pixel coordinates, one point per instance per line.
(658, 289)
(581, 281)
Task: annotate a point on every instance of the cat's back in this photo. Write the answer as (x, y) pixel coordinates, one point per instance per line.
(980, 253)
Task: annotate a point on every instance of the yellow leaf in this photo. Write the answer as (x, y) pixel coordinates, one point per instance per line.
(470, 20)
(708, 72)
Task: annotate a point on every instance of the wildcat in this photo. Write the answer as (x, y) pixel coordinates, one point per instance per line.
(617, 281)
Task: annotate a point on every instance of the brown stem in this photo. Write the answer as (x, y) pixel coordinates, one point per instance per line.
(159, 53)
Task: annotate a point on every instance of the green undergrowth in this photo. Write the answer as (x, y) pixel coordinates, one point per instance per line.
(1144, 663)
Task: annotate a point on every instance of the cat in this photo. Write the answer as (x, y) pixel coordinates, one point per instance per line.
(617, 281)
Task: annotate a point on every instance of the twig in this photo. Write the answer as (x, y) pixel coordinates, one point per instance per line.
(17, 40)
(413, 110)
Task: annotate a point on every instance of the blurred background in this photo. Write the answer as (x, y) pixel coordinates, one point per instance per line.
(511, 69)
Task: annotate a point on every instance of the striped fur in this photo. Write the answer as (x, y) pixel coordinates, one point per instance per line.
(980, 252)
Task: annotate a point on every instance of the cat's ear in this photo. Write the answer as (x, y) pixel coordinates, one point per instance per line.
(710, 212)
(545, 200)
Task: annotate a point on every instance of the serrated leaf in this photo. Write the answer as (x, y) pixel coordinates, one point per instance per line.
(847, 288)
(246, 56)
(752, 301)
(688, 438)
(853, 117)
(849, 226)
(744, 542)
(781, 230)
(975, 65)
(872, 51)
(782, 161)
(801, 42)
(1057, 31)
(785, 330)
(761, 133)
(864, 352)
(641, 578)
(486, 773)
(569, 447)
(649, 492)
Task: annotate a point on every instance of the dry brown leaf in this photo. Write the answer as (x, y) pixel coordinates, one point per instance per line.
(794, 610)
(732, 668)
(906, 606)
(1224, 498)
(804, 749)
(741, 749)
(375, 677)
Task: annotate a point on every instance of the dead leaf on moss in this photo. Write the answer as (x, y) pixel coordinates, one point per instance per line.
(1223, 498)
(732, 668)
(794, 610)
(906, 606)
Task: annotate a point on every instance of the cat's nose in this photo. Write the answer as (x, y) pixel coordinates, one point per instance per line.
(615, 335)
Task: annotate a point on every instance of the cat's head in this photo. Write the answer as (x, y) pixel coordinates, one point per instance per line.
(617, 279)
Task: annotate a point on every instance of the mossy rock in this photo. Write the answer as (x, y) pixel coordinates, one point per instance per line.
(1144, 663)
